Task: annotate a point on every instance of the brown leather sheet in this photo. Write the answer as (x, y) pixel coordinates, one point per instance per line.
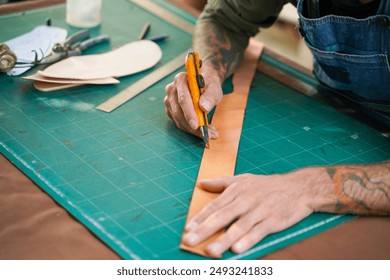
(33, 226)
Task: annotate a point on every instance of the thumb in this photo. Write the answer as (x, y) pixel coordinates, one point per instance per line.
(211, 97)
(217, 185)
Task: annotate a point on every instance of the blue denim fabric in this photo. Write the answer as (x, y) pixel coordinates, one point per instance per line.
(351, 55)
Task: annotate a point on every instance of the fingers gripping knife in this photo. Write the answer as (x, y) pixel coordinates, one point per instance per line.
(196, 85)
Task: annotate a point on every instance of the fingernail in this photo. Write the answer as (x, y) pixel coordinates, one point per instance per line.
(193, 124)
(191, 239)
(238, 247)
(190, 226)
(206, 105)
(214, 249)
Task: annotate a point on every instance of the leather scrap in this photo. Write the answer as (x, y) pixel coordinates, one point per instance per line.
(220, 159)
(46, 84)
(129, 59)
(38, 77)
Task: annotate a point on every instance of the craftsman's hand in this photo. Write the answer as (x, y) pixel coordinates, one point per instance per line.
(258, 206)
(179, 106)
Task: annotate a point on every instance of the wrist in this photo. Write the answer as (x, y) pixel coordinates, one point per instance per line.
(317, 188)
(211, 74)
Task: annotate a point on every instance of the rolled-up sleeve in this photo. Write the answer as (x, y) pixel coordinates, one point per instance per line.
(243, 16)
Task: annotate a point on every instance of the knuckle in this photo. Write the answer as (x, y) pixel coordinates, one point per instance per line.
(168, 88)
(220, 217)
(236, 230)
(219, 98)
(168, 113)
(217, 94)
(233, 188)
(187, 115)
(180, 76)
(166, 101)
(179, 124)
(211, 207)
(181, 99)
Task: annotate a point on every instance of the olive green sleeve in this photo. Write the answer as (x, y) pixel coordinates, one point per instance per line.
(243, 16)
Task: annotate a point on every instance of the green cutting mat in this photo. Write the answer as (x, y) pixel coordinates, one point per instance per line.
(128, 175)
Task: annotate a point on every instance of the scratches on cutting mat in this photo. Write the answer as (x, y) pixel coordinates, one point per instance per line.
(355, 136)
(138, 216)
(68, 144)
(67, 104)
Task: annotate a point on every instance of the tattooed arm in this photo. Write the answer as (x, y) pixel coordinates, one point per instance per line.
(225, 26)
(220, 49)
(221, 35)
(360, 189)
(255, 205)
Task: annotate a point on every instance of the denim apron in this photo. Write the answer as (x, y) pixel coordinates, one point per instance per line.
(351, 55)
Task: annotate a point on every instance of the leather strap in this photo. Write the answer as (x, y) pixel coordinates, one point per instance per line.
(220, 159)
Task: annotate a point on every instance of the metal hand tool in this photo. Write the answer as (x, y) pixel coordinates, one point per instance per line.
(72, 46)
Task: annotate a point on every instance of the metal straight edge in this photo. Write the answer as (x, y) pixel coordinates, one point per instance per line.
(165, 14)
(142, 84)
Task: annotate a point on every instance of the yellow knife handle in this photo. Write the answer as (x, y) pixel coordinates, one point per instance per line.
(196, 84)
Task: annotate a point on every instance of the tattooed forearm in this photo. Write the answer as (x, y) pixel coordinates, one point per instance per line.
(219, 47)
(362, 189)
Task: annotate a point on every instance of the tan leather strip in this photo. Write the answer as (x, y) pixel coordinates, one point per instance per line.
(220, 159)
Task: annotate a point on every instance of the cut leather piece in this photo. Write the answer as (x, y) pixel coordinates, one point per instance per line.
(46, 84)
(129, 59)
(46, 87)
(220, 159)
(38, 77)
